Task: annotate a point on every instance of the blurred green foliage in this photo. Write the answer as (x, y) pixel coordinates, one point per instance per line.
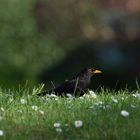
(23, 51)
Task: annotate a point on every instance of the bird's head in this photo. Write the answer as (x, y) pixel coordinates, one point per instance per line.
(92, 71)
(89, 72)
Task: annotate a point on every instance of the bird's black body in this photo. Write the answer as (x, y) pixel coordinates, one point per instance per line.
(76, 86)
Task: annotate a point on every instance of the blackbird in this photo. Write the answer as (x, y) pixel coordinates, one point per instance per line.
(76, 86)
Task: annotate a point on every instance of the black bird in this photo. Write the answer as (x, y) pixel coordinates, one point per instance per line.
(76, 86)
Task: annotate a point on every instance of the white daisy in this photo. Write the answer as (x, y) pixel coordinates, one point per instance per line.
(2, 109)
(136, 95)
(53, 96)
(69, 95)
(114, 100)
(34, 107)
(99, 103)
(41, 112)
(133, 106)
(10, 100)
(59, 130)
(23, 101)
(124, 113)
(92, 94)
(1, 133)
(56, 124)
(19, 111)
(78, 123)
(81, 97)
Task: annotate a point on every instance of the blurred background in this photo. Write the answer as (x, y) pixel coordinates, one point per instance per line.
(51, 40)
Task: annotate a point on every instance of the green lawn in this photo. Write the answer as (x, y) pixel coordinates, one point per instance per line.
(27, 117)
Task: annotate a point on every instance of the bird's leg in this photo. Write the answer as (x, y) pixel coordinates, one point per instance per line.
(77, 80)
(82, 92)
(53, 84)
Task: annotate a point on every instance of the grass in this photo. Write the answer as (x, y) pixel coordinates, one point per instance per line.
(24, 116)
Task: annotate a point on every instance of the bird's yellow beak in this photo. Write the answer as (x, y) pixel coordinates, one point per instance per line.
(97, 71)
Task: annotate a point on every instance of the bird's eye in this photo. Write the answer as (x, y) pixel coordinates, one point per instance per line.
(91, 70)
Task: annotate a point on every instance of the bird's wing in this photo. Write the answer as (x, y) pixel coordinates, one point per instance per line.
(67, 87)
